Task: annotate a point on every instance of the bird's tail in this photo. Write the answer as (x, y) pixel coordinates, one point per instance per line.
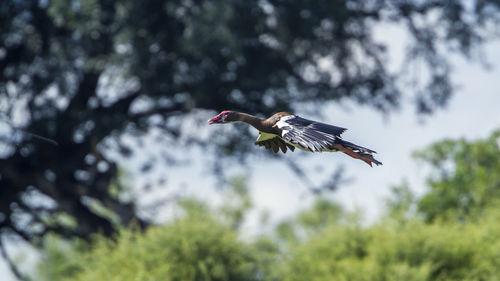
(358, 152)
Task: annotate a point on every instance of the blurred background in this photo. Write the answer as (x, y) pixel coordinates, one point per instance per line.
(109, 171)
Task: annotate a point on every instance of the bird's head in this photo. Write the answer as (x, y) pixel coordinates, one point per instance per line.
(225, 116)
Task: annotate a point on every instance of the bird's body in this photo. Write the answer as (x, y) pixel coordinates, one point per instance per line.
(285, 130)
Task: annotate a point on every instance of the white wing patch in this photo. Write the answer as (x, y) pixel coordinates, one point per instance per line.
(304, 136)
(282, 124)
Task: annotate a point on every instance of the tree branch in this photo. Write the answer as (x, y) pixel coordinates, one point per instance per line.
(15, 270)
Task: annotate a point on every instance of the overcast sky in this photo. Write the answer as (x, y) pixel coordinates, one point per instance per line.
(472, 113)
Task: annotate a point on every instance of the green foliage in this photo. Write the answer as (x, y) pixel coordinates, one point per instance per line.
(321, 243)
(237, 201)
(466, 178)
(401, 205)
(201, 245)
(393, 251)
(193, 248)
(322, 214)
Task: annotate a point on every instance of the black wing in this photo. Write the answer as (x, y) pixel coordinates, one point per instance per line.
(316, 126)
(309, 134)
(275, 144)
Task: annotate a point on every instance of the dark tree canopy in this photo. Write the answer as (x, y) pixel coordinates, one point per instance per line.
(85, 72)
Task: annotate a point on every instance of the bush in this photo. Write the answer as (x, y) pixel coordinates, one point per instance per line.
(191, 248)
(393, 251)
(451, 233)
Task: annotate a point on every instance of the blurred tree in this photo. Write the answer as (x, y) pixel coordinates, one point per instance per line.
(466, 179)
(195, 248)
(87, 72)
(201, 244)
(402, 204)
(237, 201)
(387, 251)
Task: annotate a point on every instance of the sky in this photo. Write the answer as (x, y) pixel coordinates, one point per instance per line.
(472, 113)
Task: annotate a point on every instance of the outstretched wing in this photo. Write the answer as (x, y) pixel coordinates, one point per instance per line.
(296, 121)
(274, 142)
(309, 134)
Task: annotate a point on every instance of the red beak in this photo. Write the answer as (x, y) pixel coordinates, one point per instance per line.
(214, 120)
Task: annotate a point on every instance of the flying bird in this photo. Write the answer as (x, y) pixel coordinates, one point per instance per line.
(285, 130)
